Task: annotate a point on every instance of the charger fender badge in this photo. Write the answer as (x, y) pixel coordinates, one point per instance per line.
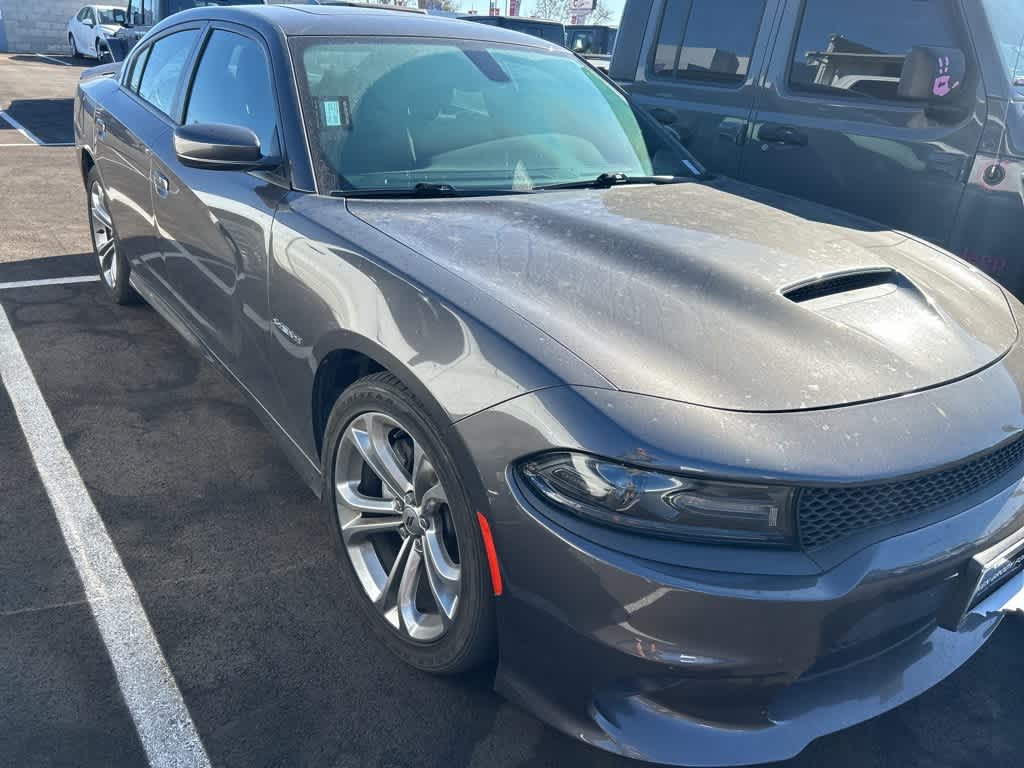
(287, 332)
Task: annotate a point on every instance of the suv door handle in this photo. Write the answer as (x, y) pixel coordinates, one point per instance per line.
(773, 133)
(161, 184)
(732, 129)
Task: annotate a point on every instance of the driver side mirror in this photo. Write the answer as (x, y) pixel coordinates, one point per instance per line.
(932, 74)
(217, 147)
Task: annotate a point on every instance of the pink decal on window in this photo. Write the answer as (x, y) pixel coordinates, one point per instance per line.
(941, 86)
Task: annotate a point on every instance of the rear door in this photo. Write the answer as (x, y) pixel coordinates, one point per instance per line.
(127, 124)
(830, 128)
(215, 224)
(699, 66)
(78, 29)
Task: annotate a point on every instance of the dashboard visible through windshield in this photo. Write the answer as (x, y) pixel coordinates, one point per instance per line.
(386, 114)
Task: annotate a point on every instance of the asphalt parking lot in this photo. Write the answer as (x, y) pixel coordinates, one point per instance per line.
(152, 467)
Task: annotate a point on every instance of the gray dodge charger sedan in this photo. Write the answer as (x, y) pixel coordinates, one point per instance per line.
(708, 471)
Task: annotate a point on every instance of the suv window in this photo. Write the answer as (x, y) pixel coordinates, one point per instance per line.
(167, 58)
(141, 12)
(707, 39)
(859, 48)
(230, 87)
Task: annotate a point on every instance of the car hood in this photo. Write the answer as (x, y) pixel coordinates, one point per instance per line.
(718, 294)
(109, 30)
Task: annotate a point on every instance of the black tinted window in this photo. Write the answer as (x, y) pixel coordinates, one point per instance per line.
(707, 39)
(141, 12)
(232, 87)
(167, 57)
(858, 48)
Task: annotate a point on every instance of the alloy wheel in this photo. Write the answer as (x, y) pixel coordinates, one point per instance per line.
(103, 234)
(397, 527)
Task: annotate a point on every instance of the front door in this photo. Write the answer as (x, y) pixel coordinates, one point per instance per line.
(215, 224)
(830, 128)
(700, 69)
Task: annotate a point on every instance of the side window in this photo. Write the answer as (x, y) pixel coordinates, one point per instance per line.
(141, 12)
(231, 86)
(82, 14)
(160, 78)
(138, 64)
(857, 49)
(90, 16)
(707, 39)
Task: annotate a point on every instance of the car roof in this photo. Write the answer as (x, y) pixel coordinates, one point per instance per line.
(330, 20)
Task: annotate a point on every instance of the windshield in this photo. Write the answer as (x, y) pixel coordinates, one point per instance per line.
(1006, 18)
(400, 112)
(111, 15)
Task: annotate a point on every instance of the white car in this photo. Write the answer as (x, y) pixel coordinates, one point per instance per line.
(89, 28)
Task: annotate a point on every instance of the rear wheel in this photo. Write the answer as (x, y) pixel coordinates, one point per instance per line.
(113, 267)
(74, 47)
(411, 547)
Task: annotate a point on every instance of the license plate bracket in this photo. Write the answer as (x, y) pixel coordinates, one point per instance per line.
(983, 575)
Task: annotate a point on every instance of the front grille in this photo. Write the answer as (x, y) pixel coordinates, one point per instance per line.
(825, 515)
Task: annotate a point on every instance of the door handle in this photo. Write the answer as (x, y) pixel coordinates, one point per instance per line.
(101, 129)
(773, 133)
(947, 163)
(732, 129)
(161, 184)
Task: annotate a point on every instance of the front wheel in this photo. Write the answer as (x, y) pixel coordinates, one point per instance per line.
(113, 267)
(412, 551)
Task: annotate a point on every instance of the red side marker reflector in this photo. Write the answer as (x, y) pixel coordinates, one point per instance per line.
(492, 555)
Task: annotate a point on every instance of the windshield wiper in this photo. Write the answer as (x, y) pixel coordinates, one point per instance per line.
(606, 180)
(422, 189)
(426, 189)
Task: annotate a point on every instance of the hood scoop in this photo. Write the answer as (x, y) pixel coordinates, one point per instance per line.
(848, 285)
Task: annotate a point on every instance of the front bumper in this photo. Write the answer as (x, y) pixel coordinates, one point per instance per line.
(680, 670)
(700, 655)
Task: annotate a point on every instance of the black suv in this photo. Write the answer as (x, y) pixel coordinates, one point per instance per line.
(907, 112)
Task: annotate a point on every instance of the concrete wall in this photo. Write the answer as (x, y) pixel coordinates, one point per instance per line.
(36, 26)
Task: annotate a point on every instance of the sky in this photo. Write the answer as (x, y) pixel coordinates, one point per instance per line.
(481, 6)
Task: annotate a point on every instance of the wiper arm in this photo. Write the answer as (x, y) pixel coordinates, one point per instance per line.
(422, 189)
(606, 180)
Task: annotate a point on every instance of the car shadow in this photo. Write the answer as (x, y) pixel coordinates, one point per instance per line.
(54, 60)
(49, 120)
(48, 268)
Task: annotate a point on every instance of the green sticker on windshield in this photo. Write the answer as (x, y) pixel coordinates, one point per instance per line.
(332, 114)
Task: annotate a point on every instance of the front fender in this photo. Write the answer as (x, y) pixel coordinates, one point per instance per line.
(338, 284)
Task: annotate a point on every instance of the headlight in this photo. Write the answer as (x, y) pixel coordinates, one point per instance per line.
(669, 505)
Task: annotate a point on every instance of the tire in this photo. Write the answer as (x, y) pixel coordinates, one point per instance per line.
(378, 403)
(101, 49)
(113, 268)
(74, 47)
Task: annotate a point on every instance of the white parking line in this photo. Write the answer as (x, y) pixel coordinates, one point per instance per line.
(21, 129)
(161, 718)
(51, 281)
(51, 58)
